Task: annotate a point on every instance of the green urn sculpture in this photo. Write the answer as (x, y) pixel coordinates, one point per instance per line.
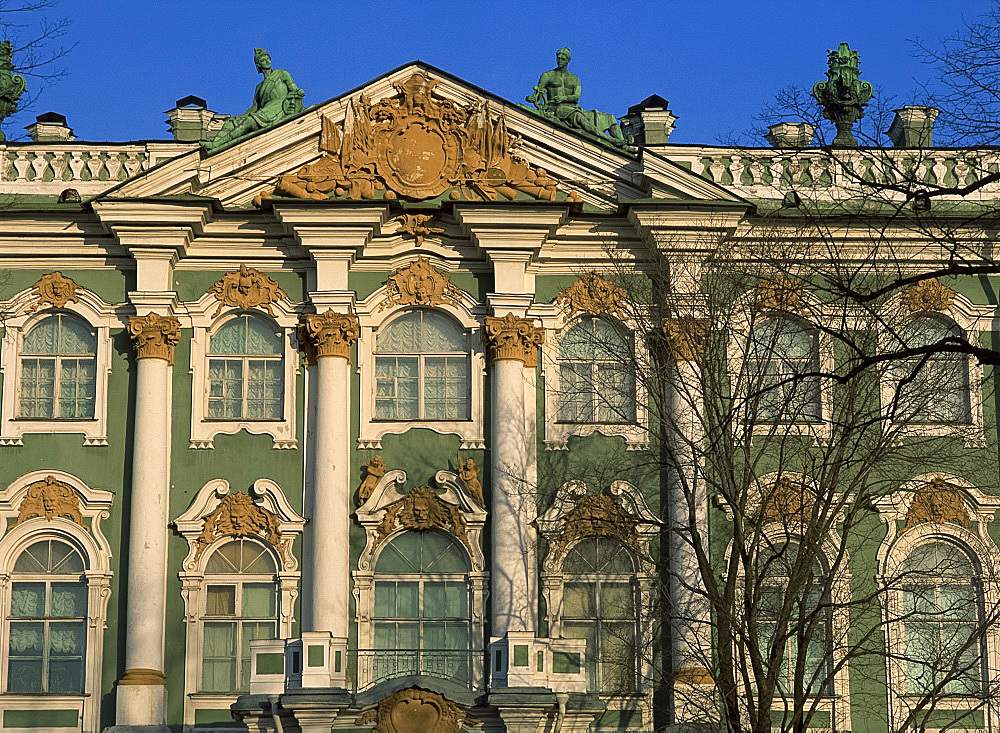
(843, 95)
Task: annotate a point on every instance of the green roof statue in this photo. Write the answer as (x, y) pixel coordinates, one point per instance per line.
(12, 85)
(557, 96)
(276, 98)
(843, 95)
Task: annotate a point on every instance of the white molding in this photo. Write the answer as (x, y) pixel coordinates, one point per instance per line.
(95, 505)
(374, 313)
(269, 496)
(557, 434)
(370, 514)
(102, 317)
(205, 323)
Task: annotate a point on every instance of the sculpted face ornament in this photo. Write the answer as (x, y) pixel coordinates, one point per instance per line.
(54, 289)
(422, 509)
(420, 284)
(238, 515)
(247, 288)
(50, 498)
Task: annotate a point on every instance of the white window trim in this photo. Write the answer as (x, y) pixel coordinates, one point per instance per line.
(102, 317)
(93, 545)
(387, 491)
(205, 323)
(377, 311)
(551, 524)
(839, 704)
(739, 333)
(190, 525)
(966, 316)
(894, 550)
(556, 323)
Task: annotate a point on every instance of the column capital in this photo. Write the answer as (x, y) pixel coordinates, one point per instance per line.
(154, 336)
(331, 334)
(511, 337)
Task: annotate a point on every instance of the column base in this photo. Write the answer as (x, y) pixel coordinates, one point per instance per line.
(141, 700)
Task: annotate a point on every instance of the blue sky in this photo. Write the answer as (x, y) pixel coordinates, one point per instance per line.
(716, 61)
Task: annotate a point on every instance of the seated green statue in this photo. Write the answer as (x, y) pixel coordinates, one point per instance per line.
(275, 99)
(557, 96)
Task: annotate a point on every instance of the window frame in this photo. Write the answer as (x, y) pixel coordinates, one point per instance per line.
(244, 360)
(59, 360)
(101, 317)
(207, 317)
(376, 312)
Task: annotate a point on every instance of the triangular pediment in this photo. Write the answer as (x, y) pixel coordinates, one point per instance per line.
(418, 133)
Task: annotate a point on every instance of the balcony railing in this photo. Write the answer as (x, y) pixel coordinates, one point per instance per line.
(461, 666)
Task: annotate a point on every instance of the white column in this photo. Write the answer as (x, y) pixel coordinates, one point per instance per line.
(326, 546)
(514, 591)
(141, 696)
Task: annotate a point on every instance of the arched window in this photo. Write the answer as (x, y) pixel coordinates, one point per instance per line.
(58, 369)
(599, 605)
(241, 597)
(47, 620)
(422, 369)
(942, 620)
(806, 622)
(245, 371)
(422, 622)
(595, 382)
(780, 351)
(933, 388)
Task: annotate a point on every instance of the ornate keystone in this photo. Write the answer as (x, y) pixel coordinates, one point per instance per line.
(418, 226)
(12, 85)
(238, 515)
(422, 509)
(597, 515)
(927, 295)
(155, 336)
(511, 337)
(50, 498)
(781, 294)
(332, 334)
(420, 284)
(246, 288)
(54, 289)
(843, 95)
(686, 337)
(593, 294)
(937, 501)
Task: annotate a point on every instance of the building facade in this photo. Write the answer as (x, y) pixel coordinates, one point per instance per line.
(298, 427)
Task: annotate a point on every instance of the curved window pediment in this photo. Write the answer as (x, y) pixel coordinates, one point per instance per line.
(58, 369)
(422, 369)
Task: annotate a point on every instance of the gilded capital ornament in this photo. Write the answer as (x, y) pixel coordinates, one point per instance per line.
(50, 498)
(332, 334)
(154, 336)
(510, 337)
(246, 288)
(685, 336)
(927, 295)
(54, 289)
(595, 295)
(937, 501)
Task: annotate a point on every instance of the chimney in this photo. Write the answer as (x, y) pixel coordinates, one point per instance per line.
(649, 122)
(790, 134)
(50, 127)
(913, 126)
(190, 121)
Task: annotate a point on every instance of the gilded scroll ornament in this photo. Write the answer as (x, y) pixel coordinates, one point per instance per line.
(927, 295)
(421, 509)
(781, 294)
(246, 288)
(597, 515)
(50, 498)
(419, 284)
(332, 333)
(595, 295)
(686, 336)
(418, 226)
(54, 289)
(417, 145)
(937, 501)
(239, 516)
(469, 473)
(413, 709)
(374, 471)
(510, 337)
(787, 501)
(154, 336)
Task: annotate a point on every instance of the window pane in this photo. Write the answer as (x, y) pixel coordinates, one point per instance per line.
(231, 338)
(262, 337)
(38, 380)
(219, 661)
(250, 632)
(579, 600)
(576, 392)
(226, 559)
(440, 554)
(27, 600)
(68, 600)
(586, 630)
(617, 600)
(220, 600)
(75, 336)
(259, 600)
(63, 558)
(43, 337)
